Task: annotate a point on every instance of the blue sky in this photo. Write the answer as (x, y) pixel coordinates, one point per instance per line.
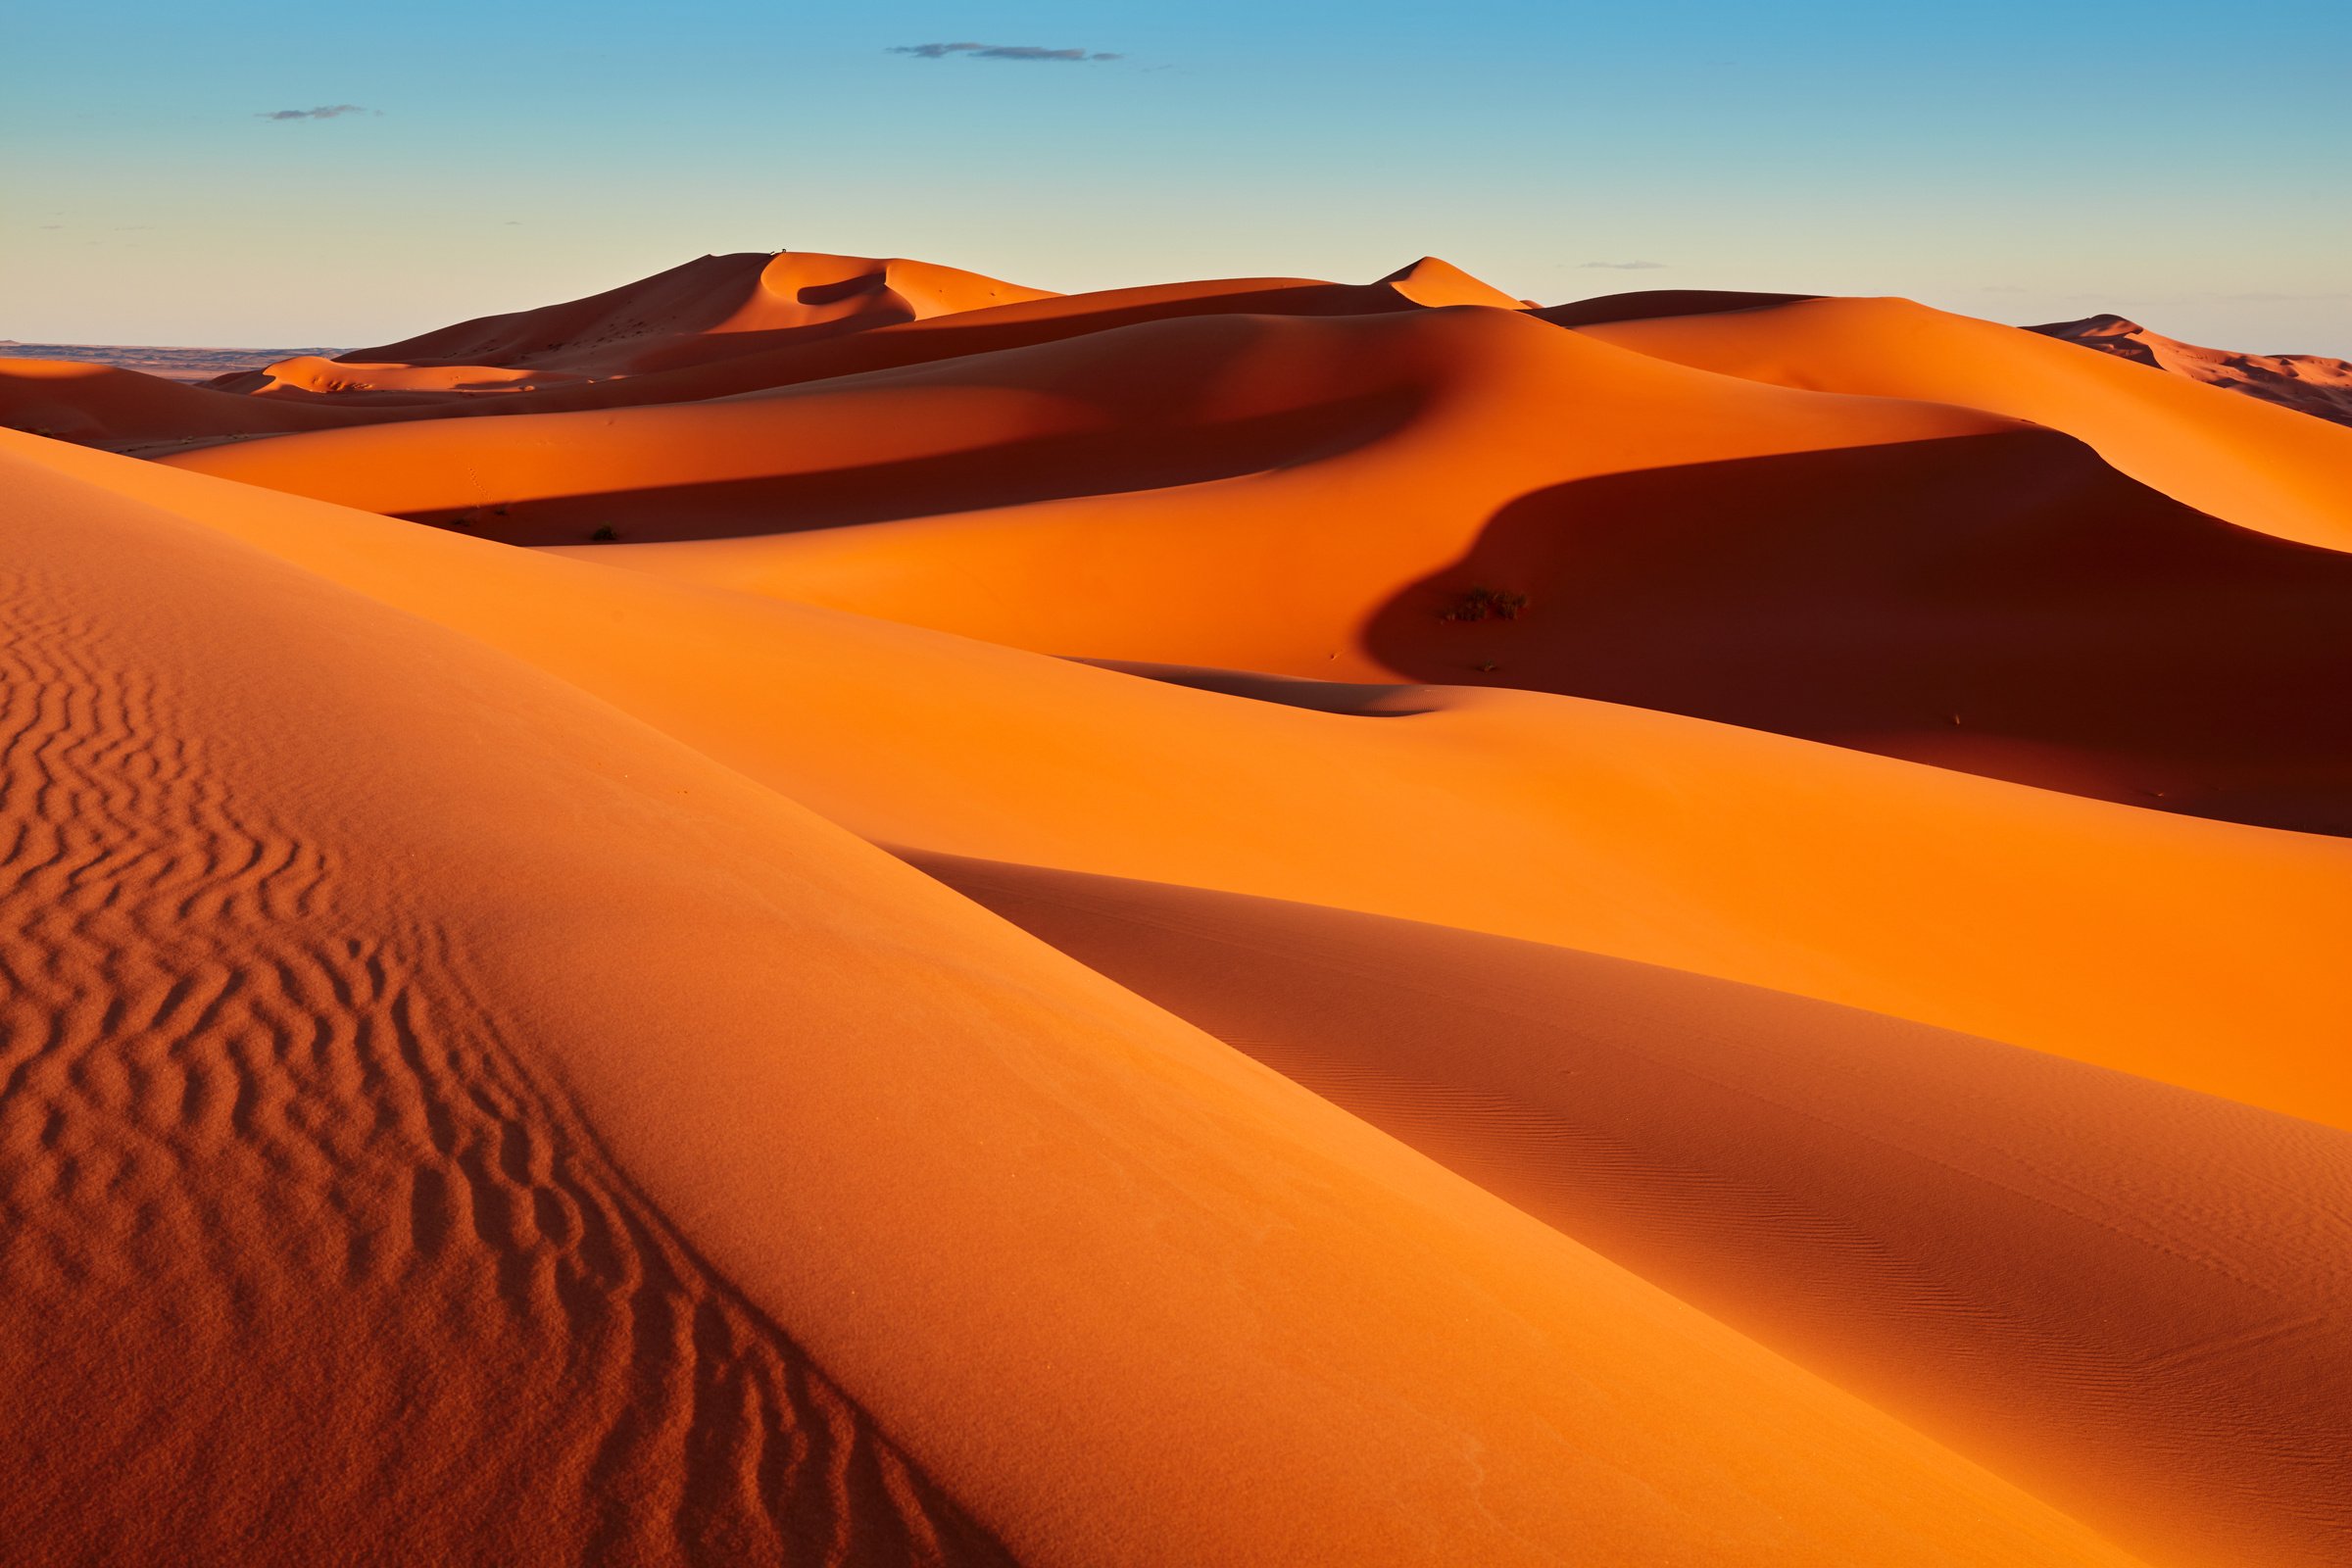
(2190, 165)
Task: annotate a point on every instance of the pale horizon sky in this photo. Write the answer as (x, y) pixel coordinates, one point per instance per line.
(170, 177)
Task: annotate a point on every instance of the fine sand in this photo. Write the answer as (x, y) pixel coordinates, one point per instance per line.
(2308, 383)
(828, 910)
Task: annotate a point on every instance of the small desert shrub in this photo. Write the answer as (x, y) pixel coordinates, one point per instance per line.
(1479, 603)
(604, 535)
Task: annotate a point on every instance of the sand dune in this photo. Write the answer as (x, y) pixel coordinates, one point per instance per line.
(2308, 383)
(2236, 458)
(2038, 1280)
(365, 387)
(1433, 281)
(171, 363)
(2202, 953)
(824, 908)
(1644, 304)
(704, 309)
(104, 405)
(1328, 496)
(491, 896)
(715, 308)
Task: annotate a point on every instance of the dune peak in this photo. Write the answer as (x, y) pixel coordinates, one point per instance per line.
(2307, 383)
(1433, 280)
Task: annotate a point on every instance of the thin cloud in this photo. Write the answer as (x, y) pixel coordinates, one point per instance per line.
(1625, 266)
(2003, 288)
(996, 51)
(322, 111)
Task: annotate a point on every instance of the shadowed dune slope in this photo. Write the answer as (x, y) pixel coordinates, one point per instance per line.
(2202, 953)
(706, 308)
(390, 1023)
(1485, 384)
(99, 405)
(172, 363)
(2308, 383)
(2236, 458)
(1432, 281)
(1322, 498)
(713, 309)
(344, 384)
(2122, 1296)
(1641, 304)
(1233, 394)
(377, 392)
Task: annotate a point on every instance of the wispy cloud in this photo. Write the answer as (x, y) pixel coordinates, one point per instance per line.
(322, 111)
(2003, 288)
(996, 51)
(1626, 267)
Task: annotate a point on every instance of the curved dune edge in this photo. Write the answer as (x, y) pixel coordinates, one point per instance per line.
(2199, 954)
(311, 1257)
(100, 405)
(1324, 498)
(2308, 383)
(151, 416)
(2120, 1295)
(2233, 456)
(714, 307)
(905, 1131)
(1478, 385)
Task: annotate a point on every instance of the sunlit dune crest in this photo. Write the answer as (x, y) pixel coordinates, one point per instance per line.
(827, 908)
(2308, 383)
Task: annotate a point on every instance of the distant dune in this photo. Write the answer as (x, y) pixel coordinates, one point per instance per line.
(2304, 382)
(170, 363)
(822, 908)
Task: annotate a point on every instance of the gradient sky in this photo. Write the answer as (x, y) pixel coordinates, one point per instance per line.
(2187, 165)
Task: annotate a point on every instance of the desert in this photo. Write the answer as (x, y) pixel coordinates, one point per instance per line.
(1230, 786)
(777, 911)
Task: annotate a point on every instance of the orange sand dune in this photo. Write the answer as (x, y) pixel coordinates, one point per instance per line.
(1322, 496)
(2236, 458)
(704, 309)
(1067, 417)
(171, 361)
(994, 328)
(2122, 1296)
(1642, 303)
(1433, 281)
(2305, 382)
(487, 1128)
(714, 307)
(369, 386)
(821, 908)
(347, 382)
(2202, 953)
(103, 405)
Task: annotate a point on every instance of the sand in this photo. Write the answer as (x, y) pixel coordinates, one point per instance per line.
(2308, 383)
(1792, 1167)
(2238, 459)
(1933, 583)
(824, 908)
